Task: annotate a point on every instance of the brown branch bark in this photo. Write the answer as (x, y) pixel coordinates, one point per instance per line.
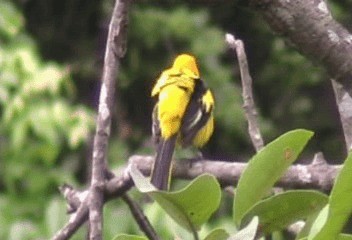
(141, 219)
(78, 202)
(317, 175)
(115, 50)
(309, 26)
(77, 219)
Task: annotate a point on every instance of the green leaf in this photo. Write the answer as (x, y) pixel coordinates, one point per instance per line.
(191, 206)
(265, 168)
(341, 236)
(217, 234)
(303, 234)
(11, 21)
(129, 237)
(345, 237)
(142, 183)
(277, 212)
(247, 233)
(340, 207)
(319, 222)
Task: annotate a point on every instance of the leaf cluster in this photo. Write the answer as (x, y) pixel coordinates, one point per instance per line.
(257, 213)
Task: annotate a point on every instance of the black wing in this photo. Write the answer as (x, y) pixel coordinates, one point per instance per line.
(195, 116)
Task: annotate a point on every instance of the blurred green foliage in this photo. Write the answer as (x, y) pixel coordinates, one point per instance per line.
(40, 128)
(51, 55)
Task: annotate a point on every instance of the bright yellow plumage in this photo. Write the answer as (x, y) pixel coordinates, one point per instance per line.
(183, 113)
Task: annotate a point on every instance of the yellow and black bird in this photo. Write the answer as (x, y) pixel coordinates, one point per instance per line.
(183, 114)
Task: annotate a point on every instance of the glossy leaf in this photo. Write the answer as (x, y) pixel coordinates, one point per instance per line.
(303, 234)
(247, 233)
(277, 212)
(319, 222)
(265, 168)
(191, 206)
(340, 207)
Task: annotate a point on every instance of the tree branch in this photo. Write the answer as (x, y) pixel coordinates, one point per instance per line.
(77, 204)
(141, 219)
(247, 93)
(317, 175)
(115, 49)
(309, 26)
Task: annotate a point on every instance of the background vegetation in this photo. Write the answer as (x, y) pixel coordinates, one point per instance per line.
(51, 56)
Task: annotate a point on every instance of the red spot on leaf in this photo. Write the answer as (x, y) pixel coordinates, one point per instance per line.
(288, 153)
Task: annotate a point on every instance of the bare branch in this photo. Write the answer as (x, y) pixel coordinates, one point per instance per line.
(317, 175)
(78, 203)
(115, 49)
(140, 218)
(247, 93)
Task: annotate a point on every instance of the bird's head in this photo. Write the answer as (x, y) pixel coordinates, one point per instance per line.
(186, 62)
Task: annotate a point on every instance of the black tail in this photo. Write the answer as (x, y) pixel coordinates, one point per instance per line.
(162, 165)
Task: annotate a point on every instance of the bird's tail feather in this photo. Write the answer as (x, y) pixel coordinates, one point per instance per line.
(161, 171)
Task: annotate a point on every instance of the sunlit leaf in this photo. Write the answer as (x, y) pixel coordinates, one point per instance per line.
(265, 168)
(319, 222)
(247, 233)
(340, 207)
(191, 206)
(277, 212)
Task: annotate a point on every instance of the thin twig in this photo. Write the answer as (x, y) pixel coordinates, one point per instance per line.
(115, 49)
(248, 105)
(140, 218)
